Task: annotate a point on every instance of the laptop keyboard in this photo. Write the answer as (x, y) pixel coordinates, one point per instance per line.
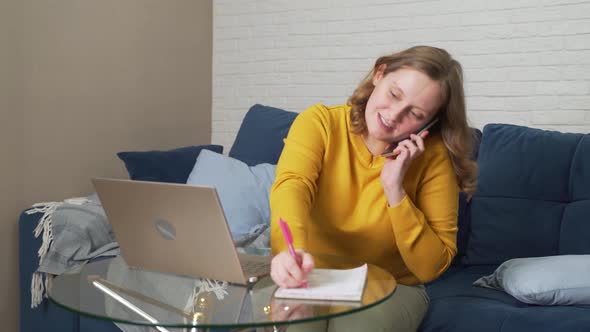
(255, 265)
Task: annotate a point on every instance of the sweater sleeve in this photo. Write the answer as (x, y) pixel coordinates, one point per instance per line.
(294, 188)
(425, 230)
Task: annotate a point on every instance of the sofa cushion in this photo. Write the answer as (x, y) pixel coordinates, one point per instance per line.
(548, 319)
(163, 166)
(243, 190)
(528, 202)
(468, 314)
(575, 228)
(457, 305)
(261, 134)
(463, 213)
(529, 163)
(459, 283)
(503, 228)
(552, 280)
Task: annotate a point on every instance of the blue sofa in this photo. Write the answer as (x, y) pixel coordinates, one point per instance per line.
(532, 199)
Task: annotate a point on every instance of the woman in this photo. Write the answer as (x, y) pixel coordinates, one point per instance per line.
(340, 196)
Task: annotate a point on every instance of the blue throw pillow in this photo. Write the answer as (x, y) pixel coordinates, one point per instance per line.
(163, 166)
(551, 280)
(260, 138)
(243, 190)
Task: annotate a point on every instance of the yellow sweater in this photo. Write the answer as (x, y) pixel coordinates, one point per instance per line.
(328, 189)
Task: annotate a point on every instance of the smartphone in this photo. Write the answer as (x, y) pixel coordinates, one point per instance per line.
(389, 151)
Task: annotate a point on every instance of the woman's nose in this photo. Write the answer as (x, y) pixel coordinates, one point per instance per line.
(397, 111)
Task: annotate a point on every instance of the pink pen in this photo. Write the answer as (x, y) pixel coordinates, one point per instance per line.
(289, 239)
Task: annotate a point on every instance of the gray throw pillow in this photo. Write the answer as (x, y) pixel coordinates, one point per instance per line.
(243, 190)
(551, 280)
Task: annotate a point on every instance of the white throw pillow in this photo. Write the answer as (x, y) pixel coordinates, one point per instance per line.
(243, 190)
(550, 280)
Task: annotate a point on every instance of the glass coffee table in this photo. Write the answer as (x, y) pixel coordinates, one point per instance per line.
(110, 290)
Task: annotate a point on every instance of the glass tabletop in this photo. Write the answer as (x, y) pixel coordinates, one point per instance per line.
(109, 289)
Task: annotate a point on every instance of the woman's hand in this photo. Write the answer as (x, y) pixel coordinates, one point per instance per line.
(396, 166)
(287, 273)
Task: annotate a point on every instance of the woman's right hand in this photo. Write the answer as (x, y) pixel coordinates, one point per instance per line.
(286, 272)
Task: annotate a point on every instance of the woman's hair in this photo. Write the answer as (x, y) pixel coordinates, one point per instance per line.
(437, 64)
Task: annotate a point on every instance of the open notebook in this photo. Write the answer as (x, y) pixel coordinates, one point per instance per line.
(330, 284)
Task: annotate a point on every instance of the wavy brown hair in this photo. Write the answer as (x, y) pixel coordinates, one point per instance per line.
(437, 64)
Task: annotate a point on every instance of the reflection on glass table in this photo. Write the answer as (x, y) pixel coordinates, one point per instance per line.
(109, 289)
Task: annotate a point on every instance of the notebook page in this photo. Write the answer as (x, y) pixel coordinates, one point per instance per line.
(330, 284)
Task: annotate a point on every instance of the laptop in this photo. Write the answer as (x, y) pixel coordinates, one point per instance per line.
(176, 228)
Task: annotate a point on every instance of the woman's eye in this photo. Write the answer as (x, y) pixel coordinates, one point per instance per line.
(394, 95)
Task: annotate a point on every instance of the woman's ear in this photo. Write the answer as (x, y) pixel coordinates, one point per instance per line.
(378, 74)
(377, 77)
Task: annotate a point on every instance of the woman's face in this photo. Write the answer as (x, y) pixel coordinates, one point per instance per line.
(401, 103)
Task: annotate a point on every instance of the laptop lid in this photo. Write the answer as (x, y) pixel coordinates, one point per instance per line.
(169, 227)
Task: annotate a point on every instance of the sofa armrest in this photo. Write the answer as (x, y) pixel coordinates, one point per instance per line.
(47, 316)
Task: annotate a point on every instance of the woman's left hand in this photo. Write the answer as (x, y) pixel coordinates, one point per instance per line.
(396, 166)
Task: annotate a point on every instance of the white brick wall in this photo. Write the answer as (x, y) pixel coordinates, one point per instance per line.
(525, 61)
